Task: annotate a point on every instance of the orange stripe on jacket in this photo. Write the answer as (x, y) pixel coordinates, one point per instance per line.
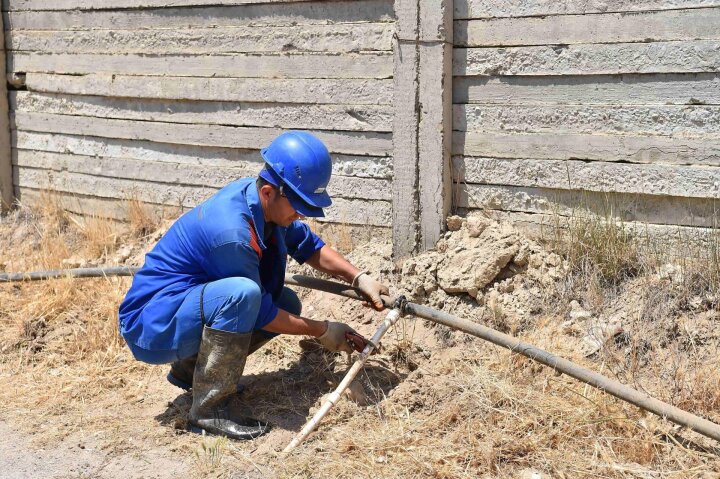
(254, 240)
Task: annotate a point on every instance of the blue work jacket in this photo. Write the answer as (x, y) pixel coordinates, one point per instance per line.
(220, 238)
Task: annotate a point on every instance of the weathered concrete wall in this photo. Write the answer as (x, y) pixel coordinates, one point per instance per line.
(612, 106)
(528, 107)
(168, 100)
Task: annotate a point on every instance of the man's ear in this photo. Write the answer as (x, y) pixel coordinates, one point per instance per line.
(266, 191)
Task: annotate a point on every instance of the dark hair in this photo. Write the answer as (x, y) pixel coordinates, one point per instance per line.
(260, 182)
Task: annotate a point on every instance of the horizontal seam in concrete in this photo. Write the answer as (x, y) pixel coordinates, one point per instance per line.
(630, 223)
(579, 14)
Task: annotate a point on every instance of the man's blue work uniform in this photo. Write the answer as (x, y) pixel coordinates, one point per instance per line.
(220, 252)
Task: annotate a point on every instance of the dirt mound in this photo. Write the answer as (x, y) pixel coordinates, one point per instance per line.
(485, 271)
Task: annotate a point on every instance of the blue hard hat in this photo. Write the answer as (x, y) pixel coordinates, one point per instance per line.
(301, 161)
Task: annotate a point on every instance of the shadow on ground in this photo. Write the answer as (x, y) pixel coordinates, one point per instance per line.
(285, 396)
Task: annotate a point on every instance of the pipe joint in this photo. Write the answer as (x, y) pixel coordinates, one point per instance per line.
(400, 304)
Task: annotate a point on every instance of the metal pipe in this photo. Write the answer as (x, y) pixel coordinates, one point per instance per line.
(68, 273)
(333, 398)
(617, 389)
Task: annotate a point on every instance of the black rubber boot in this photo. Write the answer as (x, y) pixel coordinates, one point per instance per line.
(181, 371)
(257, 341)
(219, 366)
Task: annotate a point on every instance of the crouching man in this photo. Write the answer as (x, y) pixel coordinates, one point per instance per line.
(212, 291)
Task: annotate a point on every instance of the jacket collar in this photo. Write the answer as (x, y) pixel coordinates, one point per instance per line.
(253, 200)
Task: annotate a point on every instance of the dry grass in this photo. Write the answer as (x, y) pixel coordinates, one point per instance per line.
(462, 412)
(142, 220)
(100, 236)
(59, 338)
(485, 413)
(209, 456)
(667, 298)
(598, 247)
(54, 221)
(604, 252)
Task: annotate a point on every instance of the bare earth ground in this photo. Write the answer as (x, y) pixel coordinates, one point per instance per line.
(434, 403)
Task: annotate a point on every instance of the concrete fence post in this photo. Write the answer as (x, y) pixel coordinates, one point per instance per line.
(7, 195)
(435, 130)
(406, 119)
(422, 125)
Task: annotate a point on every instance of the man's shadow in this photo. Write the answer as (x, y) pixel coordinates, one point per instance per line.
(286, 396)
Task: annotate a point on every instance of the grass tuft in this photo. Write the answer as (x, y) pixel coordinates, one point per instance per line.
(599, 247)
(100, 236)
(141, 218)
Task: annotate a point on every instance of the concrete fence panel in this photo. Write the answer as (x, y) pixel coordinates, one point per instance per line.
(529, 108)
(572, 105)
(166, 101)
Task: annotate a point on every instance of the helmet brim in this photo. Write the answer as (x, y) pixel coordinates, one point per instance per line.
(301, 206)
(314, 200)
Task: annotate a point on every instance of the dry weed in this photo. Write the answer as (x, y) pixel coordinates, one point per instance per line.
(49, 209)
(142, 220)
(52, 225)
(598, 248)
(209, 456)
(100, 236)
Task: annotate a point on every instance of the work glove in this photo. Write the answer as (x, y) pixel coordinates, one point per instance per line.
(333, 339)
(371, 289)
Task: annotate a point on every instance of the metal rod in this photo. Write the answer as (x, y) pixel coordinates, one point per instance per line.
(617, 389)
(335, 396)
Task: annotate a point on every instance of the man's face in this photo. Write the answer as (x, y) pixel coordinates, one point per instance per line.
(277, 207)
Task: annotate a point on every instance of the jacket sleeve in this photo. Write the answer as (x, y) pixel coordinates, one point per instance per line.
(301, 242)
(235, 256)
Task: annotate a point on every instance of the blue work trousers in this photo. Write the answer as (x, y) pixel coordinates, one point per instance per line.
(228, 304)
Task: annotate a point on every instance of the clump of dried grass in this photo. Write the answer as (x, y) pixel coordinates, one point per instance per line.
(52, 224)
(50, 212)
(141, 219)
(700, 268)
(100, 236)
(210, 454)
(598, 248)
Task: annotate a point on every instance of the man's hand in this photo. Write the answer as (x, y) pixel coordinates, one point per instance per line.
(371, 288)
(334, 337)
